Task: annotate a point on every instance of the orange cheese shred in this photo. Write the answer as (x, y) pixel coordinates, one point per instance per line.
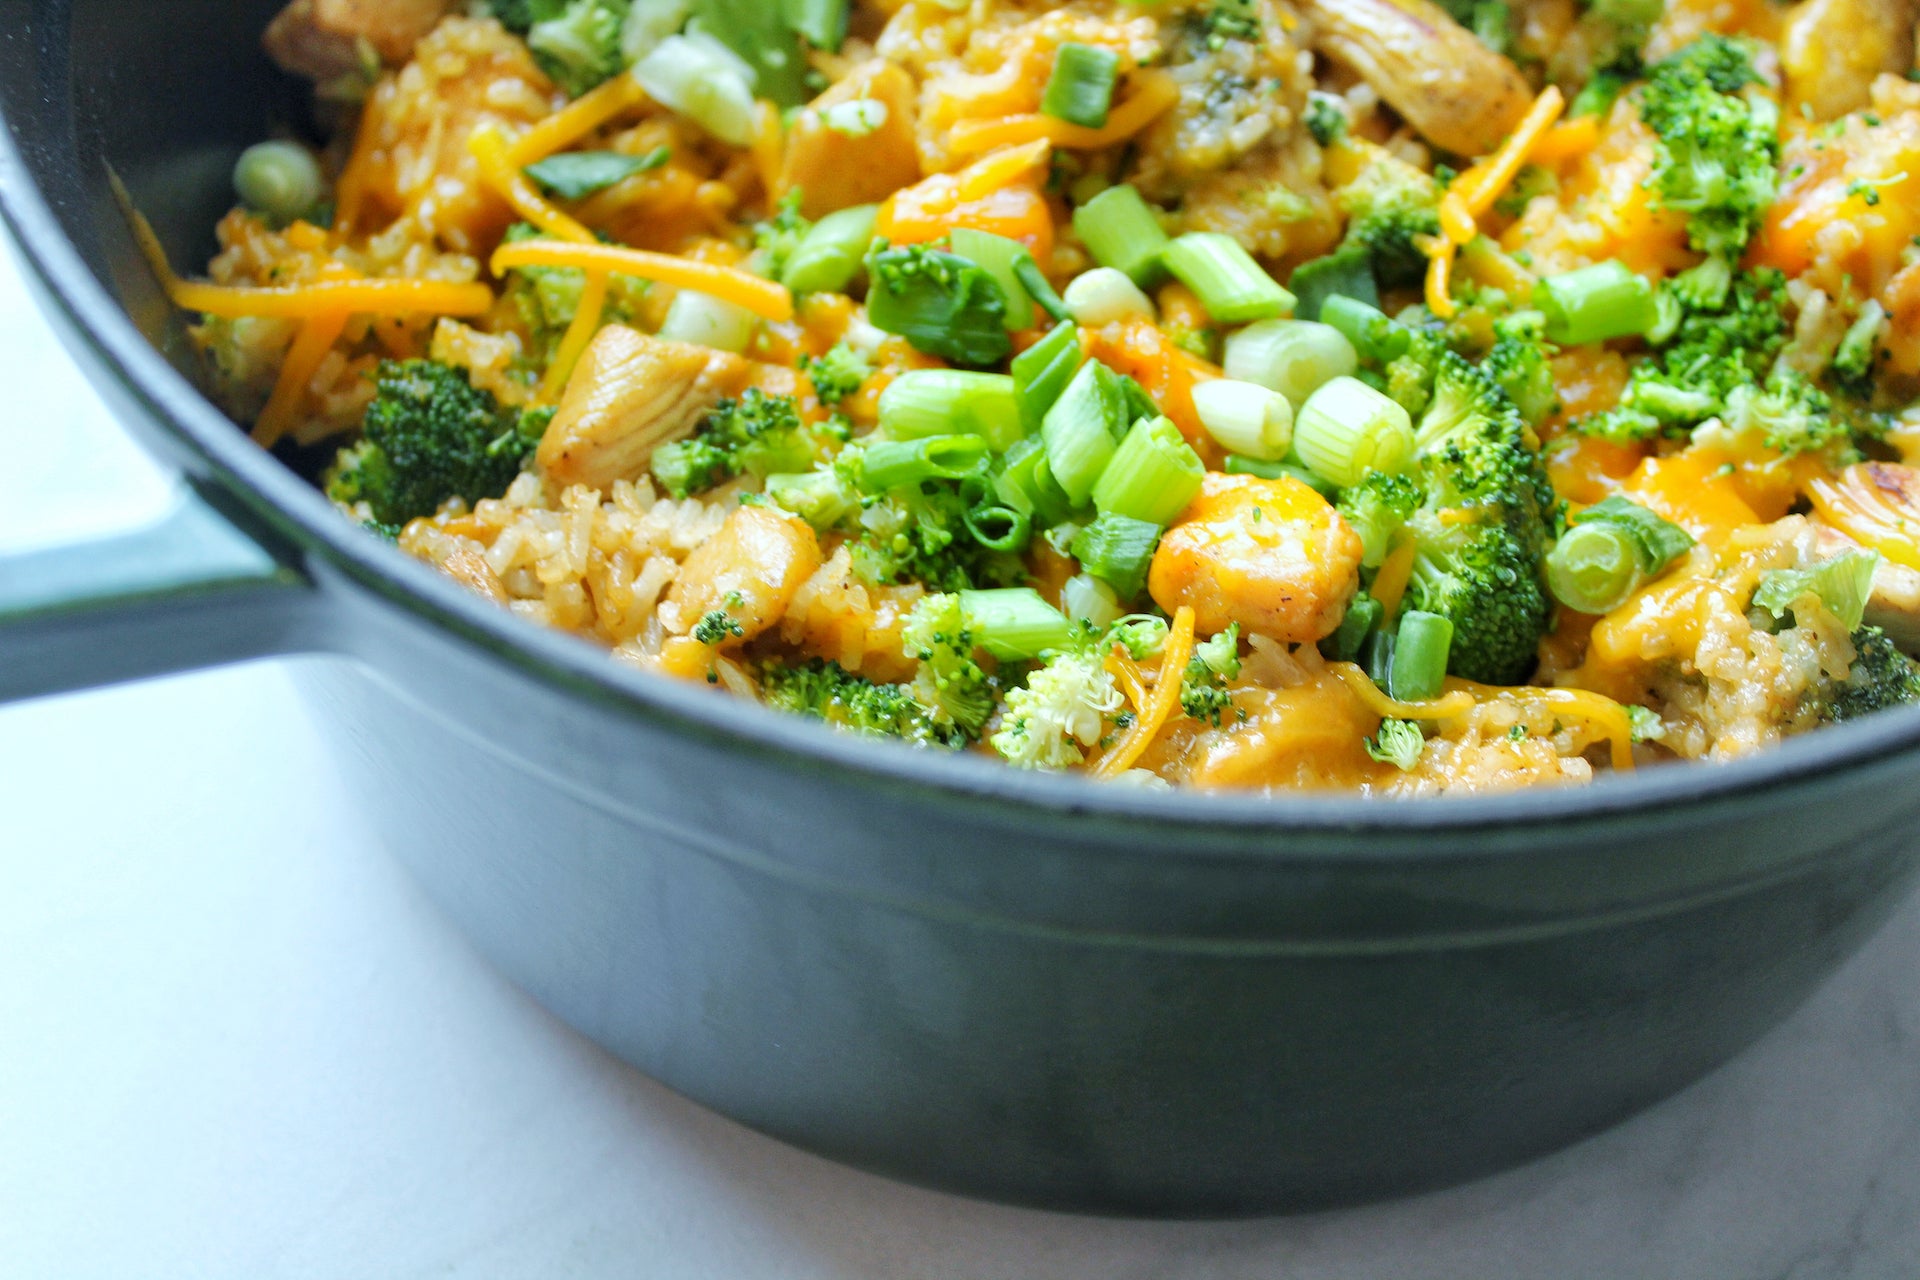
(498, 171)
(1152, 96)
(580, 331)
(310, 346)
(1449, 706)
(765, 298)
(1126, 673)
(1166, 696)
(1470, 195)
(576, 120)
(1390, 584)
(385, 296)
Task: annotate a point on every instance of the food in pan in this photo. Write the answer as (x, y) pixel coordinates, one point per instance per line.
(1340, 394)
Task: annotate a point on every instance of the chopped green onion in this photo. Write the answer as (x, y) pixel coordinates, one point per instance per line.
(940, 302)
(1378, 337)
(1346, 431)
(944, 402)
(1025, 483)
(1595, 304)
(1081, 427)
(832, 251)
(1246, 419)
(757, 33)
(1294, 357)
(1038, 287)
(573, 175)
(1085, 598)
(1118, 550)
(998, 527)
(703, 80)
(1014, 624)
(1232, 287)
(1080, 91)
(1042, 372)
(1153, 476)
(1121, 231)
(821, 498)
(1841, 584)
(998, 255)
(707, 321)
(1612, 549)
(1238, 465)
(822, 22)
(1376, 655)
(1105, 296)
(649, 22)
(894, 464)
(280, 179)
(1363, 615)
(1347, 272)
(1420, 649)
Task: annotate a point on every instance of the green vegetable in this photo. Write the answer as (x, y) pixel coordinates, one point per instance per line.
(829, 255)
(1718, 154)
(1121, 230)
(998, 256)
(1326, 120)
(1241, 465)
(1203, 687)
(757, 31)
(1420, 651)
(1347, 272)
(1118, 550)
(1347, 431)
(1060, 712)
(1363, 615)
(822, 22)
(1294, 357)
(280, 180)
(1232, 287)
(1082, 427)
(956, 692)
(1153, 474)
(1596, 304)
(1612, 549)
(1398, 743)
(431, 435)
(1880, 679)
(1045, 370)
(1080, 91)
(1477, 503)
(1390, 205)
(1840, 585)
(702, 79)
(943, 304)
(573, 175)
(578, 43)
(827, 691)
(838, 374)
(1518, 365)
(757, 434)
(930, 402)
(1014, 624)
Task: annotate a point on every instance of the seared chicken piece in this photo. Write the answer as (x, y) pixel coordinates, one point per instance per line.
(1832, 50)
(1459, 94)
(1271, 555)
(324, 40)
(750, 570)
(835, 167)
(630, 394)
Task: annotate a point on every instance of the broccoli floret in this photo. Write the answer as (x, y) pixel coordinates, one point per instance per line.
(1388, 204)
(1852, 368)
(955, 691)
(781, 234)
(1789, 413)
(547, 298)
(579, 46)
(1398, 743)
(838, 374)
(1215, 663)
(518, 16)
(1881, 678)
(944, 305)
(1060, 712)
(1517, 363)
(1225, 20)
(920, 534)
(757, 434)
(827, 691)
(1482, 519)
(1326, 118)
(717, 627)
(428, 436)
(1718, 153)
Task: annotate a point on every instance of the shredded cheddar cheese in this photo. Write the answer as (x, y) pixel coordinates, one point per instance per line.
(765, 298)
(1153, 95)
(1473, 193)
(1166, 696)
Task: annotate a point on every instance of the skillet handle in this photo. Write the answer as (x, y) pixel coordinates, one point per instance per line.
(189, 590)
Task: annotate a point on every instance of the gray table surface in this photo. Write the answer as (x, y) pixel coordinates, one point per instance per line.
(235, 1042)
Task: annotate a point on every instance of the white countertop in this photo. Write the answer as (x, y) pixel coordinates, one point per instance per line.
(235, 1042)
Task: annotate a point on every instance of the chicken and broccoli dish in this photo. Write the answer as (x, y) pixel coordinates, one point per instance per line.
(1375, 395)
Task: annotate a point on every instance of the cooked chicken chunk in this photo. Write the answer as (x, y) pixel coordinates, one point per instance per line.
(630, 394)
(1833, 49)
(324, 39)
(1271, 555)
(750, 570)
(1458, 93)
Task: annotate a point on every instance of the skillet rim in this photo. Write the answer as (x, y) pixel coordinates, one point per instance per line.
(575, 668)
